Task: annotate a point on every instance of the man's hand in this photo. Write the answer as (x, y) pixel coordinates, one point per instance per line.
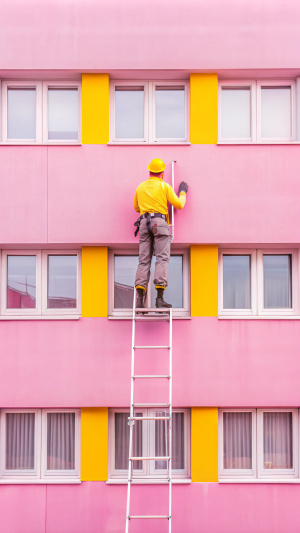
(183, 187)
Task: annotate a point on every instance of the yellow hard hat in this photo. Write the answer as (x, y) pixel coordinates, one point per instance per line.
(156, 166)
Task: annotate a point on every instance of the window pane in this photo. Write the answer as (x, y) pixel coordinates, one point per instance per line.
(129, 109)
(20, 428)
(169, 112)
(122, 442)
(276, 112)
(277, 281)
(62, 281)
(236, 282)
(21, 113)
(237, 440)
(60, 441)
(174, 292)
(162, 439)
(63, 114)
(21, 281)
(236, 109)
(278, 440)
(124, 276)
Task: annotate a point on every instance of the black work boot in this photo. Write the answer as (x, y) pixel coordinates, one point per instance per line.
(140, 298)
(160, 302)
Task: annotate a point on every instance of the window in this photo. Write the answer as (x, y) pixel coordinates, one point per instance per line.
(35, 283)
(258, 443)
(149, 439)
(35, 112)
(257, 111)
(40, 443)
(258, 282)
(122, 269)
(151, 112)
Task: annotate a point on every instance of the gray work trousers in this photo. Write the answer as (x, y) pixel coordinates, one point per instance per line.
(161, 240)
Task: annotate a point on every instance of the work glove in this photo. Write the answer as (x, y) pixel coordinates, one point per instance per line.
(183, 187)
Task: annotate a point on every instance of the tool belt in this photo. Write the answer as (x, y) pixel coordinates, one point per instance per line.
(148, 216)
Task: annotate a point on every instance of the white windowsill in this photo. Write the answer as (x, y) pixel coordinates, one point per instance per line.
(220, 143)
(40, 317)
(130, 317)
(275, 480)
(66, 143)
(148, 481)
(144, 143)
(40, 481)
(259, 317)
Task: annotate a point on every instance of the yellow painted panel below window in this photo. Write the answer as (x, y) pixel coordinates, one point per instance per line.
(94, 281)
(204, 444)
(204, 108)
(94, 444)
(95, 108)
(204, 280)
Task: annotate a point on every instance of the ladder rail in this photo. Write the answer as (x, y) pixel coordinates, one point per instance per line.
(172, 207)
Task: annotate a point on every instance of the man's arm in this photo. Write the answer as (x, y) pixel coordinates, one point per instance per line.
(178, 202)
(136, 203)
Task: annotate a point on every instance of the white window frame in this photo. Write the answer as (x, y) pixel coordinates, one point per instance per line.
(21, 474)
(246, 84)
(41, 284)
(257, 295)
(258, 471)
(37, 85)
(253, 283)
(277, 473)
(11, 312)
(76, 310)
(60, 85)
(127, 312)
(294, 280)
(48, 474)
(149, 112)
(235, 472)
(41, 110)
(255, 111)
(148, 473)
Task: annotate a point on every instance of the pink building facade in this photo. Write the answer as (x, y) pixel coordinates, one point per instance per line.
(91, 92)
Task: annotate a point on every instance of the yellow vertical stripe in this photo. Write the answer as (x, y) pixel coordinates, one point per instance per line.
(204, 108)
(204, 444)
(94, 444)
(204, 280)
(95, 108)
(94, 281)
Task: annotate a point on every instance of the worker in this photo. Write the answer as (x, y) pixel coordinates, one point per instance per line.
(151, 201)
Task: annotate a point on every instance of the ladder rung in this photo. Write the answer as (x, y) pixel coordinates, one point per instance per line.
(152, 347)
(156, 310)
(149, 516)
(151, 318)
(148, 418)
(150, 458)
(150, 405)
(152, 376)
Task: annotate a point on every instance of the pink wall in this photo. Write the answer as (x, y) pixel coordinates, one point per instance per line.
(205, 507)
(249, 363)
(238, 194)
(151, 34)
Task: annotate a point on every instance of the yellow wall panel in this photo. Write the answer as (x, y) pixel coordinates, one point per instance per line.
(204, 280)
(94, 281)
(95, 108)
(94, 444)
(204, 108)
(204, 444)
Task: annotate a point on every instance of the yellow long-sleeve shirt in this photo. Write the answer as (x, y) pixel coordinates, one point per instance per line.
(153, 195)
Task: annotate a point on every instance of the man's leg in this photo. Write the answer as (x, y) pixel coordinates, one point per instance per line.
(145, 256)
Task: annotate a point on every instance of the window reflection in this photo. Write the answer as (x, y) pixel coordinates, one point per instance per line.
(169, 112)
(63, 114)
(62, 282)
(21, 281)
(21, 113)
(129, 106)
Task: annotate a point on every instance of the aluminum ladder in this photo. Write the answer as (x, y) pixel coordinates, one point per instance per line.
(150, 315)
